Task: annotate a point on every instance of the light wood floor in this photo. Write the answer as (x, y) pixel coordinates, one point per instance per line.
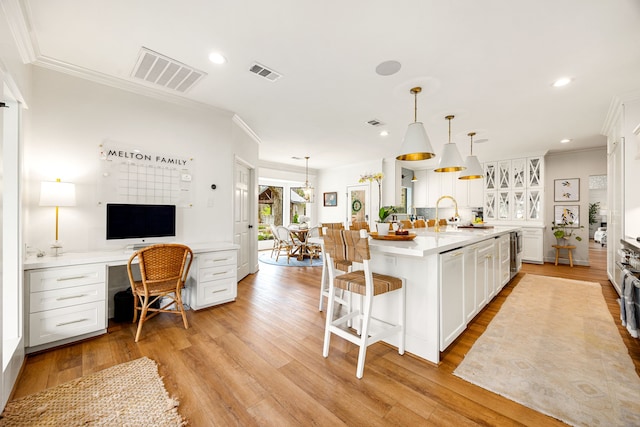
(258, 361)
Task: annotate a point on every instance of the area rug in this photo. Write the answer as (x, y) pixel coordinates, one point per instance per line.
(293, 262)
(129, 394)
(554, 347)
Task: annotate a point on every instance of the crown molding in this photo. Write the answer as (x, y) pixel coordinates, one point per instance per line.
(20, 27)
(245, 127)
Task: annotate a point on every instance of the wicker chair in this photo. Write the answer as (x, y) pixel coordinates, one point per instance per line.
(285, 242)
(163, 271)
(419, 223)
(368, 285)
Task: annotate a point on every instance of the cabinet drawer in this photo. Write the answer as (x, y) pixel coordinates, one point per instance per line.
(54, 325)
(217, 273)
(216, 291)
(59, 298)
(64, 277)
(214, 259)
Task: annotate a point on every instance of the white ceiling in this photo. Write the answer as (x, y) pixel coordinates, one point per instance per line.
(488, 62)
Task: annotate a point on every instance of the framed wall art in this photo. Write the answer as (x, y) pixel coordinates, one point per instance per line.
(331, 199)
(566, 190)
(567, 214)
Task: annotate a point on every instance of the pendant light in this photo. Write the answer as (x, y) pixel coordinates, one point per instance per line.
(308, 189)
(416, 144)
(451, 161)
(474, 168)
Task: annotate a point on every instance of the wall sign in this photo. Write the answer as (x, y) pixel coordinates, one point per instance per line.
(135, 176)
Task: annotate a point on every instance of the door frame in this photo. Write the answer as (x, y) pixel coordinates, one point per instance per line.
(252, 207)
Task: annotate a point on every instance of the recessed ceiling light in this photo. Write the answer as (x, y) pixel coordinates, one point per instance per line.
(217, 58)
(384, 133)
(564, 141)
(562, 82)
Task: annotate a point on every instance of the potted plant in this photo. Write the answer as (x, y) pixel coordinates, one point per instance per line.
(563, 231)
(594, 211)
(383, 214)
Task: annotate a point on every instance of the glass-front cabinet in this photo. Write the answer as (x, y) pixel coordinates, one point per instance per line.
(514, 189)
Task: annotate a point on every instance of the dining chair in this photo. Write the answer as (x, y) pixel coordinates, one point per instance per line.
(163, 272)
(276, 240)
(431, 223)
(313, 249)
(368, 285)
(333, 225)
(419, 223)
(285, 242)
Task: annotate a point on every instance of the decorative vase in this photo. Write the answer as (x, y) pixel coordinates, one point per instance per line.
(382, 228)
(562, 241)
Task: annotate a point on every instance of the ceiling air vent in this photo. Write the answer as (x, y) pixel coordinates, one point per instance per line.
(166, 72)
(375, 122)
(265, 72)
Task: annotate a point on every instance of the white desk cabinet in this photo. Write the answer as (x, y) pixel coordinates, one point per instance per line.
(65, 302)
(213, 279)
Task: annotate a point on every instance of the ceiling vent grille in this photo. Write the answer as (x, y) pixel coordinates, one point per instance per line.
(166, 72)
(265, 72)
(375, 122)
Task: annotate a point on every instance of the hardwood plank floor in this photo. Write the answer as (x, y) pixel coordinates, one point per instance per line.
(258, 361)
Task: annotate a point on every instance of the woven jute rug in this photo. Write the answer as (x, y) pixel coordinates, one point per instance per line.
(129, 394)
(554, 347)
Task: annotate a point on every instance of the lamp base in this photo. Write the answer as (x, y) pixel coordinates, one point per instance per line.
(56, 248)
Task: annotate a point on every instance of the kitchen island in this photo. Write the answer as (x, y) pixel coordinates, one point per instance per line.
(450, 276)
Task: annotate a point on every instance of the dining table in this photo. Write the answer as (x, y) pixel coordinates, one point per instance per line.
(299, 235)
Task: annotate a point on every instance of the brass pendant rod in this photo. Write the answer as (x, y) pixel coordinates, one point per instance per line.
(471, 134)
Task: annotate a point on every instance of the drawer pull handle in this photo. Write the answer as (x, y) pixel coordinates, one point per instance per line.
(218, 291)
(62, 279)
(218, 260)
(71, 322)
(70, 297)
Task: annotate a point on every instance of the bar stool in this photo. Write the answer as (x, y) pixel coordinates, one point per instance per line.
(368, 285)
(332, 252)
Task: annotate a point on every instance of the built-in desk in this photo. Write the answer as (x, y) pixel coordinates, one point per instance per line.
(67, 297)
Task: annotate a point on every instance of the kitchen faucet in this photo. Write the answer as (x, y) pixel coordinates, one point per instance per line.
(436, 226)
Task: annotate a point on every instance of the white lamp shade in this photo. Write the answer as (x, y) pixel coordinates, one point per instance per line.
(473, 170)
(451, 161)
(57, 193)
(416, 144)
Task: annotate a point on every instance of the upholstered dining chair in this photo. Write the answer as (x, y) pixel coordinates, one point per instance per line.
(163, 272)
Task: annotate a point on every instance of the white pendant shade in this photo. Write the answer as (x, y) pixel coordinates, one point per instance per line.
(474, 169)
(451, 161)
(416, 144)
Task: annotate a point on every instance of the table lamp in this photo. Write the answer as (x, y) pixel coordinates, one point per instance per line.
(57, 194)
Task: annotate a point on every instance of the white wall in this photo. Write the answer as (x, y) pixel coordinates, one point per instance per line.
(575, 164)
(339, 178)
(71, 117)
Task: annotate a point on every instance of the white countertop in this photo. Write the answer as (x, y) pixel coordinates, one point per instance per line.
(116, 257)
(428, 242)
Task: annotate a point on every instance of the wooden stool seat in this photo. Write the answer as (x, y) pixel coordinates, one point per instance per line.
(569, 249)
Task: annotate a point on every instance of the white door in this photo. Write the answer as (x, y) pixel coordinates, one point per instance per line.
(11, 283)
(358, 205)
(243, 221)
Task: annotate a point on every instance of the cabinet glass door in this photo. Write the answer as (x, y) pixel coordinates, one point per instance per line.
(534, 171)
(503, 205)
(490, 176)
(490, 205)
(534, 204)
(519, 204)
(517, 173)
(504, 179)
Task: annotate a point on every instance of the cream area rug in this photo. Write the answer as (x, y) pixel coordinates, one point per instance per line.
(129, 394)
(554, 347)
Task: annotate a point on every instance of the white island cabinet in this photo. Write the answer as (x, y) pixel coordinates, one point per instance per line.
(450, 277)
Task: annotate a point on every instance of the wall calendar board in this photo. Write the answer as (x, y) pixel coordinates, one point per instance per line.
(134, 176)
